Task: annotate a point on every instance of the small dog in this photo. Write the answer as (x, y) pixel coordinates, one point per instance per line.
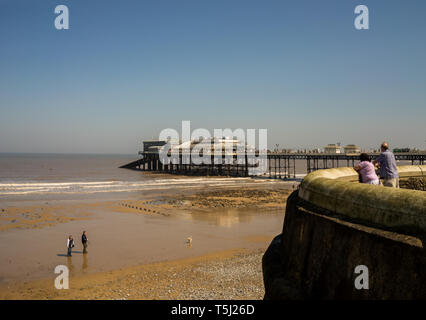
(189, 241)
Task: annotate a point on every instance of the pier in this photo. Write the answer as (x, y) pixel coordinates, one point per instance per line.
(279, 165)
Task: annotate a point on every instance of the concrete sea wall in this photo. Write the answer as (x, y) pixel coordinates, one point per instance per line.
(334, 224)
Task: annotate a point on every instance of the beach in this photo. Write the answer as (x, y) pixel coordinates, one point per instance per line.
(229, 231)
(138, 239)
(232, 274)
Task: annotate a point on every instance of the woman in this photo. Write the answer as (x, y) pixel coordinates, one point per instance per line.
(366, 170)
(70, 245)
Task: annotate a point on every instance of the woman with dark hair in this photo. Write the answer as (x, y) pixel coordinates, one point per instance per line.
(366, 170)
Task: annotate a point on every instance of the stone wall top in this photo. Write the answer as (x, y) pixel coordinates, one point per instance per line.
(337, 190)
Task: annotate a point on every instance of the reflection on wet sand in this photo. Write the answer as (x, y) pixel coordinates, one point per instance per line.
(70, 266)
(85, 263)
(223, 218)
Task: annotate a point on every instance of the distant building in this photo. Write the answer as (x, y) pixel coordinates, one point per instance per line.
(332, 148)
(352, 148)
(227, 145)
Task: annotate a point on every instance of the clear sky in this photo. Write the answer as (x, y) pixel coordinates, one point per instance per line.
(125, 70)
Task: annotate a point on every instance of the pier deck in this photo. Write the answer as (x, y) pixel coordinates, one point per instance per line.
(279, 165)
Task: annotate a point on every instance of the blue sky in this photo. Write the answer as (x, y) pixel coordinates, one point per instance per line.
(125, 70)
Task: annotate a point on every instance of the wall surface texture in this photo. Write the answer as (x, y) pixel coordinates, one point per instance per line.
(320, 246)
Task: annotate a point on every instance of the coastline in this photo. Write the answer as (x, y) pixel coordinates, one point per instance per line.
(123, 236)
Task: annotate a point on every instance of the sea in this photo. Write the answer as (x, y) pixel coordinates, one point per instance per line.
(39, 175)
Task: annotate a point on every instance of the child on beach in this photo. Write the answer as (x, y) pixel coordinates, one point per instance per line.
(84, 241)
(70, 245)
(366, 170)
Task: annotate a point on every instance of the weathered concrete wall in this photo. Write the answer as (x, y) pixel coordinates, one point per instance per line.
(413, 183)
(316, 255)
(333, 225)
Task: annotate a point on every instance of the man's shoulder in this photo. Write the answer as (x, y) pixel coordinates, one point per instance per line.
(390, 154)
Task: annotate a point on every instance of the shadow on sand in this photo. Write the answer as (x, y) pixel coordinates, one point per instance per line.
(65, 255)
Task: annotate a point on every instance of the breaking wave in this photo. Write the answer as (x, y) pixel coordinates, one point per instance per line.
(115, 186)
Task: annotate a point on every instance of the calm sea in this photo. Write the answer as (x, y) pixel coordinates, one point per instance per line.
(54, 174)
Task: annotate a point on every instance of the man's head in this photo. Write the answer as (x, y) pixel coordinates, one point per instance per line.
(384, 146)
(84, 232)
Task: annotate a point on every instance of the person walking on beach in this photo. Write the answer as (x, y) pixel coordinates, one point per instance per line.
(387, 167)
(84, 241)
(70, 245)
(366, 170)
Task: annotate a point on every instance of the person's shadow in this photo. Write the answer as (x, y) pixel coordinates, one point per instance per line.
(65, 255)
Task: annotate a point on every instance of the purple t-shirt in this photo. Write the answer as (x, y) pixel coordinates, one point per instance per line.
(367, 171)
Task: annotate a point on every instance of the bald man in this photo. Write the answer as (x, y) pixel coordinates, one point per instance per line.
(387, 167)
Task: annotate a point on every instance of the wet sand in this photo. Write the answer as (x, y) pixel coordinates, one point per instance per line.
(231, 274)
(123, 234)
(43, 215)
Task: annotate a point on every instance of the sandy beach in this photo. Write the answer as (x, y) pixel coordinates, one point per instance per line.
(232, 274)
(138, 244)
